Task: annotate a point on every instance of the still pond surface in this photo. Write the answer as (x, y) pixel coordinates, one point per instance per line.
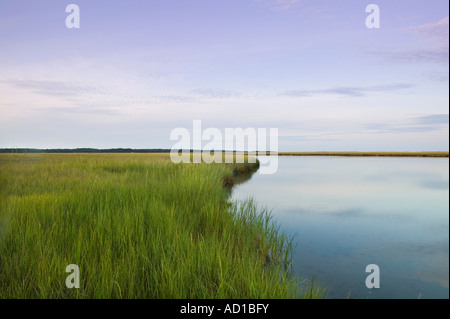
(348, 212)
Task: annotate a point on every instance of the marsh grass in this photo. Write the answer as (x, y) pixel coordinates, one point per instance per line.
(138, 226)
(368, 154)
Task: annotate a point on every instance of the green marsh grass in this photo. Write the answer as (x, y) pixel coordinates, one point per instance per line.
(368, 154)
(138, 226)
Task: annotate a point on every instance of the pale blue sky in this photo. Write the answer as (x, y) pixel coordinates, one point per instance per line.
(135, 70)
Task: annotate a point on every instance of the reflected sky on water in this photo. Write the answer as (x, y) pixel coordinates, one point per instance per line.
(348, 212)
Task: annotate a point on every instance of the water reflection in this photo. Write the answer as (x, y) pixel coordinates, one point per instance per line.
(349, 212)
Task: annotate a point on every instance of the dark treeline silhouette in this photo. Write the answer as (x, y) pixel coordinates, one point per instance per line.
(92, 150)
(82, 150)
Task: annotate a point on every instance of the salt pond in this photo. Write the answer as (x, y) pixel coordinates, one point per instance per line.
(348, 212)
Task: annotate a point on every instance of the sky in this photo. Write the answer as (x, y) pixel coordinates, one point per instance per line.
(136, 70)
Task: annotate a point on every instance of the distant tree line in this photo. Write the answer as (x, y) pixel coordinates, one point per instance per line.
(91, 150)
(82, 150)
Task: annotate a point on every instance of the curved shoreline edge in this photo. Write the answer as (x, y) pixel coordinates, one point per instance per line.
(279, 256)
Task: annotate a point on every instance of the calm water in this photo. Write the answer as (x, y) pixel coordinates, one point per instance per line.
(349, 212)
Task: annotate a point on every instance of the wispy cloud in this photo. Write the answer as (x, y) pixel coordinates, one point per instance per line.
(433, 119)
(438, 31)
(114, 98)
(286, 4)
(348, 91)
(386, 128)
(215, 93)
(299, 7)
(55, 88)
(79, 98)
(439, 76)
(436, 52)
(176, 98)
(413, 124)
(401, 126)
(279, 4)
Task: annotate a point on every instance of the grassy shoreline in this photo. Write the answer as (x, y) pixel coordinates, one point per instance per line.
(138, 226)
(362, 154)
